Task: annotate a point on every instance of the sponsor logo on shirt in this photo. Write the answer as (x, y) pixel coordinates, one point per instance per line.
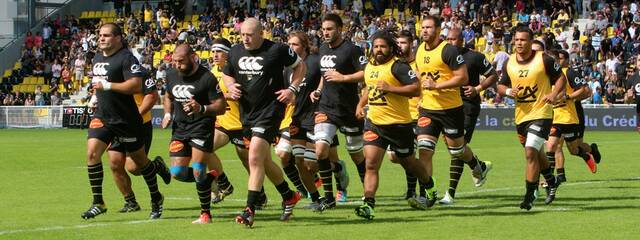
(182, 93)
(250, 65)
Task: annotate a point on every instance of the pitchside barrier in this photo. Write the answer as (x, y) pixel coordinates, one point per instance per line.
(617, 117)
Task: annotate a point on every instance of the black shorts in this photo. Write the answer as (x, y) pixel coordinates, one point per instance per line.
(399, 138)
(267, 129)
(538, 127)
(450, 122)
(147, 136)
(181, 147)
(120, 138)
(235, 136)
(350, 126)
(306, 134)
(570, 132)
(471, 112)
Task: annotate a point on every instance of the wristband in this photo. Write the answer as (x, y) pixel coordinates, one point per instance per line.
(106, 86)
(317, 92)
(294, 89)
(203, 109)
(167, 115)
(508, 92)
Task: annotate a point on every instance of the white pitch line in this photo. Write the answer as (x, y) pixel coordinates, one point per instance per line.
(382, 203)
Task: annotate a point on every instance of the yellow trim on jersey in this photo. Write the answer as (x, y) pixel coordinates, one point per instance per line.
(385, 108)
(414, 102)
(139, 97)
(288, 114)
(230, 120)
(430, 64)
(533, 83)
(565, 113)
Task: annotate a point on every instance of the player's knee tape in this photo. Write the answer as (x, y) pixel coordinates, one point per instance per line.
(180, 173)
(298, 150)
(310, 155)
(354, 144)
(534, 141)
(283, 146)
(199, 172)
(457, 152)
(426, 144)
(324, 132)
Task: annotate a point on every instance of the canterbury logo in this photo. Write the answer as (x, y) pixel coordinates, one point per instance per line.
(250, 63)
(460, 59)
(637, 87)
(135, 68)
(412, 74)
(149, 83)
(182, 92)
(362, 60)
(328, 61)
(100, 68)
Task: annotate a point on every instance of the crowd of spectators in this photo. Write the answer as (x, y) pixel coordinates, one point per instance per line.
(604, 47)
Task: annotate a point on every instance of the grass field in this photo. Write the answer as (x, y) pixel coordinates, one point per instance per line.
(44, 188)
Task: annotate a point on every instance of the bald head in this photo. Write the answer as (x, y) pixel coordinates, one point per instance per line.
(251, 33)
(183, 59)
(455, 38)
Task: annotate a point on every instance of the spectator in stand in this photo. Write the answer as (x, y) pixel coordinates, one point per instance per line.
(56, 70)
(66, 77)
(78, 67)
(29, 101)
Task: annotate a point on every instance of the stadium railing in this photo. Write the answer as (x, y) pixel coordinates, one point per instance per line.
(31, 116)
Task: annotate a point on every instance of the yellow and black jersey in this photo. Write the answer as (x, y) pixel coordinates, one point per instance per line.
(388, 108)
(414, 102)
(230, 120)
(148, 86)
(533, 79)
(288, 113)
(565, 112)
(439, 64)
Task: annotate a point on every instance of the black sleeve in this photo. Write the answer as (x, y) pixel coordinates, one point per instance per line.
(552, 68)
(452, 57)
(149, 86)
(212, 84)
(575, 79)
(229, 69)
(402, 71)
(287, 55)
(358, 59)
(486, 68)
(504, 77)
(131, 68)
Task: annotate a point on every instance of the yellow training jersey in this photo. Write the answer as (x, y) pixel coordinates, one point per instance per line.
(230, 120)
(288, 113)
(139, 97)
(565, 112)
(414, 102)
(388, 108)
(533, 79)
(438, 64)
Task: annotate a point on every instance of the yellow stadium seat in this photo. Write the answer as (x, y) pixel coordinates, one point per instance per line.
(61, 88)
(45, 88)
(106, 13)
(112, 13)
(205, 54)
(85, 80)
(17, 65)
(610, 32)
(156, 62)
(31, 88)
(7, 73)
(195, 18)
(91, 15)
(83, 15)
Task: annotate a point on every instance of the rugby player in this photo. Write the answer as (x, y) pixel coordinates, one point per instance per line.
(193, 99)
(254, 76)
(528, 77)
(117, 124)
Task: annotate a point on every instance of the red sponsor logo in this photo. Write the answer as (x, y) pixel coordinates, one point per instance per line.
(176, 146)
(96, 123)
(321, 117)
(424, 121)
(370, 136)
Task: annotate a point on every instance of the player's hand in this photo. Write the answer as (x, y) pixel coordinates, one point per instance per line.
(514, 92)
(235, 91)
(470, 91)
(382, 86)
(98, 85)
(360, 114)
(333, 76)
(315, 96)
(286, 96)
(166, 120)
(428, 83)
(191, 107)
(550, 99)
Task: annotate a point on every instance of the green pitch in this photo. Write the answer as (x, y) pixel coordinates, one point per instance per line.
(44, 188)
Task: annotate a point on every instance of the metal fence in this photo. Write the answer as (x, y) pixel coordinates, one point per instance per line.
(31, 116)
